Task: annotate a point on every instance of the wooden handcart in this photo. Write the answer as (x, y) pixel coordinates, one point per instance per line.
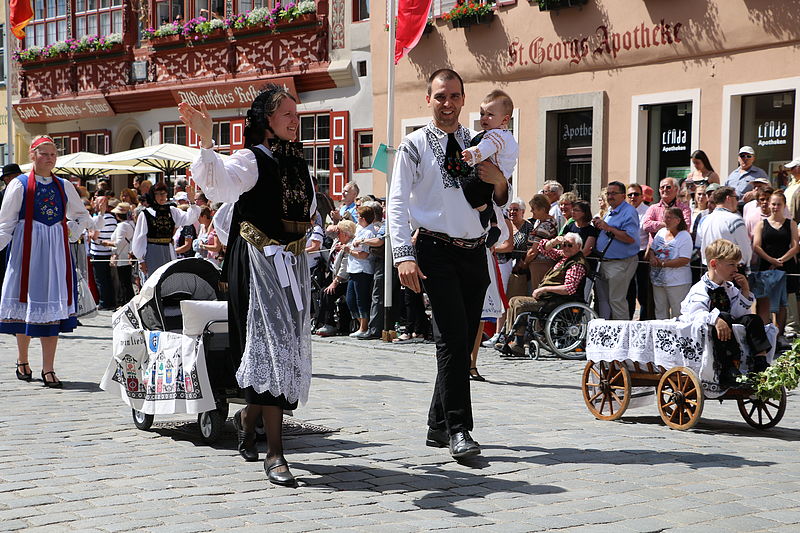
(672, 357)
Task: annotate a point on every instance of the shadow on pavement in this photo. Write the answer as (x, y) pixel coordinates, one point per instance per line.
(366, 377)
(444, 486)
(87, 386)
(546, 456)
(535, 385)
(722, 427)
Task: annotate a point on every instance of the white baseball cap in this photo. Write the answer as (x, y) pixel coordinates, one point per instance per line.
(746, 150)
(793, 163)
(181, 197)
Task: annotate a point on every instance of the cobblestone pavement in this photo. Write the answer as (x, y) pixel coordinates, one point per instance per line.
(72, 459)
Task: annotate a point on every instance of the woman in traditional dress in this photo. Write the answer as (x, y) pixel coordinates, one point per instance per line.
(40, 287)
(152, 241)
(266, 264)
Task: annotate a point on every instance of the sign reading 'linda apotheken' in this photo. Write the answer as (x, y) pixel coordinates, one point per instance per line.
(603, 43)
(228, 95)
(67, 109)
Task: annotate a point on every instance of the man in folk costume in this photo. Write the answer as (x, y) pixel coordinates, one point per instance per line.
(152, 239)
(266, 265)
(39, 297)
(449, 258)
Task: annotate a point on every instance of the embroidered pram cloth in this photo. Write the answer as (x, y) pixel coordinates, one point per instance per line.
(665, 343)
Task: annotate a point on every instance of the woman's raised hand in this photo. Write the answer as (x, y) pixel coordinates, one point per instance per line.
(198, 120)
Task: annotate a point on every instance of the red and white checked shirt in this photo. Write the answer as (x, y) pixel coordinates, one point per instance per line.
(576, 272)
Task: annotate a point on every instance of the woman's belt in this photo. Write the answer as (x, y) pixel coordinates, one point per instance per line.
(259, 239)
(164, 240)
(469, 244)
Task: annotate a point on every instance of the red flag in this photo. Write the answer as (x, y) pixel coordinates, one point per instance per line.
(411, 18)
(21, 14)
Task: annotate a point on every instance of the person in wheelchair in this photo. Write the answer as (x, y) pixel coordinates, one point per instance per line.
(720, 299)
(563, 283)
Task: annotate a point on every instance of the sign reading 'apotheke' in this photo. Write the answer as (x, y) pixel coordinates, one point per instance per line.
(603, 42)
(228, 95)
(58, 110)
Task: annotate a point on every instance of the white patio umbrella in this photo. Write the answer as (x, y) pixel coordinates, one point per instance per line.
(166, 157)
(76, 165)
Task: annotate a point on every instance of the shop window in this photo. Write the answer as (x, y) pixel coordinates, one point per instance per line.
(363, 150)
(62, 145)
(174, 133)
(315, 134)
(669, 141)
(574, 152)
(222, 136)
(3, 154)
(94, 143)
(768, 126)
(360, 10)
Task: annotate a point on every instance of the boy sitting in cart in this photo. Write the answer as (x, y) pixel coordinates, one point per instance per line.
(722, 298)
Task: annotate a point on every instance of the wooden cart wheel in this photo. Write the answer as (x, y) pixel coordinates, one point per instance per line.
(762, 414)
(606, 389)
(680, 398)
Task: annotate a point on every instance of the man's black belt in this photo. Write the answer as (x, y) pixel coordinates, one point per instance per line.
(469, 244)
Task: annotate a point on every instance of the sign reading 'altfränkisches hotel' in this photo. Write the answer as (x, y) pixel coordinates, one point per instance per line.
(229, 95)
(602, 45)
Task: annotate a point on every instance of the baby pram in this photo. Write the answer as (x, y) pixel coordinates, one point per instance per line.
(170, 353)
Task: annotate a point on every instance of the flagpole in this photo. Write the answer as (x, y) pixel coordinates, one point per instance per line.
(388, 263)
(7, 67)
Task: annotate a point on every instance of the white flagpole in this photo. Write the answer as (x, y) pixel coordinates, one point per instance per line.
(7, 65)
(388, 263)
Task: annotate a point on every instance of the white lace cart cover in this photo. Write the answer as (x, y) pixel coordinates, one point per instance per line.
(156, 372)
(666, 343)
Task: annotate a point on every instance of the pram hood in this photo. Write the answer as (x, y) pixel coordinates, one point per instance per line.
(184, 279)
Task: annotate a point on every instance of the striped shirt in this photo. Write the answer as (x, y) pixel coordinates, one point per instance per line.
(105, 224)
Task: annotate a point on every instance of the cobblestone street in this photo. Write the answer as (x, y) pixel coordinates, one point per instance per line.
(73, 460)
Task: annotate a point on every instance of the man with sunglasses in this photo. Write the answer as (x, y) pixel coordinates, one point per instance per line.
(742, 178)
(621, 224)
(653, 220)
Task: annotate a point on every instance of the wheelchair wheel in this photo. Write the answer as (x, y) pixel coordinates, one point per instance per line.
(565, 329)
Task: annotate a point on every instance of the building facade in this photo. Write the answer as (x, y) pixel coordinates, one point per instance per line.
(616, 89)
(125, 95)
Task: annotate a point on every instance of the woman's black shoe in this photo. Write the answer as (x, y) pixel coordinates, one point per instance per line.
(285, 479)
(247, 440)
(23, 376)
(55, 383)
(474, 375)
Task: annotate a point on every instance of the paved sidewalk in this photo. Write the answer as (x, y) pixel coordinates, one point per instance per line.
(72, 460)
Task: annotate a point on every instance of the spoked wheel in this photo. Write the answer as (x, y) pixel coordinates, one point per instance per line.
(565, 330)
(142, 420)
(606, 389)
(680, 398)
(762, 414)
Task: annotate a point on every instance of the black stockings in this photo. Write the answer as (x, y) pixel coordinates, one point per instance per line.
(272, 417)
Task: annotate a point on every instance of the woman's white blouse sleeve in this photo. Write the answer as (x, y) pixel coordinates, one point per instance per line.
(78, 218)
(225, 181)
(9, 214)
(139, 241)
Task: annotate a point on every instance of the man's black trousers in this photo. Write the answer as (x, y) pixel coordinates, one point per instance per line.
(456, 284)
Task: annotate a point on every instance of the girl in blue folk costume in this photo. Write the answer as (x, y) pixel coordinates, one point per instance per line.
(265, 265)
(39, 297)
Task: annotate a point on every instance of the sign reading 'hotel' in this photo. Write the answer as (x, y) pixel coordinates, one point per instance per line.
(602, 44)
(96, 106)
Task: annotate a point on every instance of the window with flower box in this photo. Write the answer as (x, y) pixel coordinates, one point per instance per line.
(97, 17)
(243, 6)
(92, 17)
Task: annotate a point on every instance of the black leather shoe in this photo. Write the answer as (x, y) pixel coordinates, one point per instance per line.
(727, 378)
(247, 440)
(285, 479)
(437, 438)
(462, 445)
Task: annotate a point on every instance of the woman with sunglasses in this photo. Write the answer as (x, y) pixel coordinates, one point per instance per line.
(703, 172)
